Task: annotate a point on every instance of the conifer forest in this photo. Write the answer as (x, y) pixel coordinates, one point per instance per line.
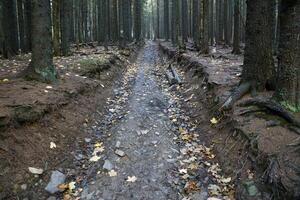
(149, 99)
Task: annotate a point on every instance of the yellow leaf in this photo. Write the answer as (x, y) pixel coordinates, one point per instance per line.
(214, 120)
(98, 144)
(5, 80)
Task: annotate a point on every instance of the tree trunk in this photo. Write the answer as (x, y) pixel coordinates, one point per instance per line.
(236, 37)
(114, 28)
(21, 25)
(258, 60)
(157, 19)
(184, 11)
(137, 19)
(288, 88)
(205, 47)
(10, 29)
(27, 21)
(196, 24)
(56, 26)
(41, 67)
(166, 20)
(66, 6)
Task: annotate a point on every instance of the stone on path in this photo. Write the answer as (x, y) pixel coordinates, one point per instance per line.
(120, 153)
(56, 179)
(108, 165)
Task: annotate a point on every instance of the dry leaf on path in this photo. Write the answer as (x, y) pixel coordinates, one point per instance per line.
(34, 170)
(52, 145)
(95, 158)
(131, 179)
(214, 120)
(112, 173)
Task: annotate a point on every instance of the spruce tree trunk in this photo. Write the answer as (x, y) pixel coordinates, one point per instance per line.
(56, 26)
(166, 20)
(236, 36)
(27, 22)
(184, 11)
(10, 29)
(66, 6)
(137, 19)
(205, 47)
(157, 19)
(258, 60)
(41, 67)
(288, 88)
(196, 24)
(126, 19)
(115, 26)
(21, 25)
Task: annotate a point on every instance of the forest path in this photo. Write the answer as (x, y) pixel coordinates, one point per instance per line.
(144, 134)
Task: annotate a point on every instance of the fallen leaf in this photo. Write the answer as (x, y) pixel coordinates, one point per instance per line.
(112, 173)
(131, 179)
(226, 180)
(72, 186)
(49, 87)
(214, 120)
(183, 171)
(52, 145)
(95, 158)
(34, 170)
(5, 80)
(98, 144)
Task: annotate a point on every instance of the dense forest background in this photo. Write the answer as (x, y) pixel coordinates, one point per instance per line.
(265, 28)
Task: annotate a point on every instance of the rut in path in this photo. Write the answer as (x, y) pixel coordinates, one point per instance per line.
(145, 136)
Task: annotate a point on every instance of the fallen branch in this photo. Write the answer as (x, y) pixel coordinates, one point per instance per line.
(175, 74)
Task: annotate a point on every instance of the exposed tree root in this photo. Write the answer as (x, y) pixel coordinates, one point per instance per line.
(243, 89)
(274, 107)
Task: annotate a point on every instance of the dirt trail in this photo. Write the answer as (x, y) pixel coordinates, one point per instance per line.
(145, 136)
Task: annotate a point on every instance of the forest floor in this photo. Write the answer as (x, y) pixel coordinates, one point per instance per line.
(115, 129)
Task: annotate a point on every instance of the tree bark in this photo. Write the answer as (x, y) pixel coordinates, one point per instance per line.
(137, 19)
(41, 67)
(166, 20)
(56, 26)
(236, 36)
(288, 87)
(66, 6)
(10, 29)
(21, 25)
(205, 47)
(258, 60)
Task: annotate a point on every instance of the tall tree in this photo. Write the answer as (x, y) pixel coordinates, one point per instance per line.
(196, 24)
(175, 22)
(166, 20)
(258, 62)
(56, 26)
(115, 22)
(27, 21)
(157, 19)
(66, 6)
(41, 67)
(288, 88)
(21, 24)
(205, 38)
(137, 19)
(10, 28)
(184, 21)
(237, 34)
